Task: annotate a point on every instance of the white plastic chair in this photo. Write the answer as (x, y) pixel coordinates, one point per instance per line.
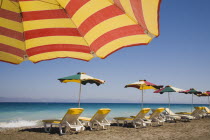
(70, 121)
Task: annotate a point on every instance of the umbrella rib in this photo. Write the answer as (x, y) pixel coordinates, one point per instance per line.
(25, 56)
(145, 31)
(91, 51)
(49, 2)
(12, 3)
(1, 3)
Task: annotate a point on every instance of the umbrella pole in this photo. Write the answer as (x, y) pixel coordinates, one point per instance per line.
(168, 100)
(80, 89)
(209, 102)
(142, 99)
(192, 103)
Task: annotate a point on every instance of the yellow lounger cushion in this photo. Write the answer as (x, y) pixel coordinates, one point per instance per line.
(75, 111)
(147, 117)
(145, 110)
(52, 121)
(71, 111)
(103, 111)
(160, 110)
(124, 118)
(84, 118)
(200, 108)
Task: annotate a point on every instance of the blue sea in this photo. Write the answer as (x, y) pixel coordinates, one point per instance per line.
(30, 114)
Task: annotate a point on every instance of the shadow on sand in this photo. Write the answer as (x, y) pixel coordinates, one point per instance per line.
(54, 130)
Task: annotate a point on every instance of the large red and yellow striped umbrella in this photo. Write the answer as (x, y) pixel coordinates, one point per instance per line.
(82, 29)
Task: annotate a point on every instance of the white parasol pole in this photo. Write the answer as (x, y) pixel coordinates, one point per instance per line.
(209, 101)
(168, 100)
(142, 99)
(192, 103)
(80, 90)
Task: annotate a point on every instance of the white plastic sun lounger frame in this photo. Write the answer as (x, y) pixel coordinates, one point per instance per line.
(156, 118)
(98, 121)
(70, 121)
(136, 121)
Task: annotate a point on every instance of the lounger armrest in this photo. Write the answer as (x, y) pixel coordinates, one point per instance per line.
(78, 122)
(68, 124)
(106, 121)
(97, 122)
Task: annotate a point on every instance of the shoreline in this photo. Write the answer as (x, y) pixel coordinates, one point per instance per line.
(203, 104)
(193, 130)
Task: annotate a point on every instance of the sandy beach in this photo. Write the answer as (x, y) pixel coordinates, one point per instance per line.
(193, 130)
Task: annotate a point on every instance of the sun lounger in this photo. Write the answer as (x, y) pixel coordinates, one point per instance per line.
(138, 120)
(156, 118)
(200, 113)
(171, 116)
(70, 121)
(183, 116)
(207, 111)
(196, 114)
(98, 120)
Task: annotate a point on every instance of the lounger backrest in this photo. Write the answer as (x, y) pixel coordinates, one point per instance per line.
(156, 113)
(142, 113)
(207, 109)
(101, 114)
(198, 111)
(195, 112)
(72, 115)
(169, 111)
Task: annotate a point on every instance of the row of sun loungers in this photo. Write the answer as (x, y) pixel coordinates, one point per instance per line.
(140, 120)
(73, 122)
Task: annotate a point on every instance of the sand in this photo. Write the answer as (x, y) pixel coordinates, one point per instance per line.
(193, 130)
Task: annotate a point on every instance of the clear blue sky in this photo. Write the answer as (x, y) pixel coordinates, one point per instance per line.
(180, 57)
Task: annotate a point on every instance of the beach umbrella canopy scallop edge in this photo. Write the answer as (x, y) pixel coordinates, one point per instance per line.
(81, 78)
(39, 30)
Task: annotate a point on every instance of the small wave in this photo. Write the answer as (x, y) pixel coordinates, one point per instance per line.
(19, 123)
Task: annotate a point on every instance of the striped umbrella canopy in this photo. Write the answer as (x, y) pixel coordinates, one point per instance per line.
(81, 78)
(168, 89)
(38, 30)
(191, 91)
(144, 85)
(205, 94)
